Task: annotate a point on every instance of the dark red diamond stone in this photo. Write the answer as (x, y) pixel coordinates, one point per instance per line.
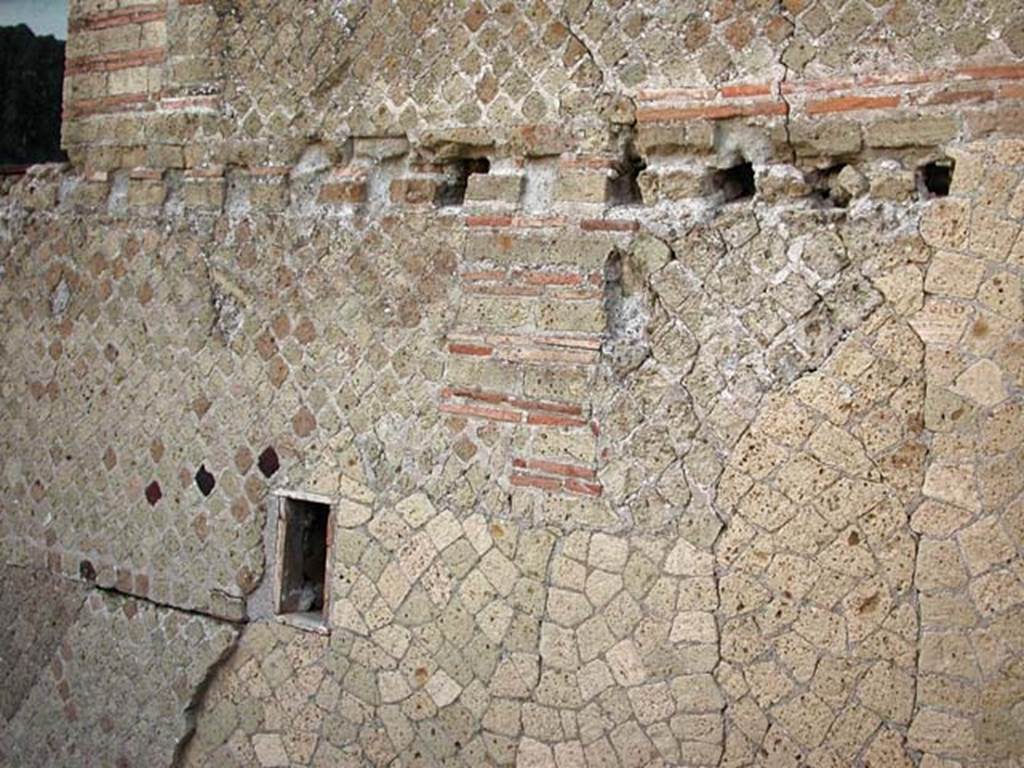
(268, 462)
(153, 492)
(205, 480)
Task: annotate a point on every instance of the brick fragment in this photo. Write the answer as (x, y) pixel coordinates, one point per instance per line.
(852, 103)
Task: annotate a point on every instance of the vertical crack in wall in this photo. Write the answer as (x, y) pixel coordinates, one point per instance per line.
(575, 37)
(198, 698)
(780, 85)
(928, 436)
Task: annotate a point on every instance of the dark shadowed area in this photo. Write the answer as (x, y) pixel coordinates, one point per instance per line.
(31, 81)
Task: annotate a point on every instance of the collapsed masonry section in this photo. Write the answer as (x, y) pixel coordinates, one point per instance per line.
(150, 103)
(682, 151)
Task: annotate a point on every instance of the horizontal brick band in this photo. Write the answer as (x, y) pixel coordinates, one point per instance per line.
(535, 354)
(1009, 72)
(105, 20)
(124, 103)
(513, 401)
(711, 111)
(538, 277)
(747, 90)
(583, 488)
(582, 341)
(108, 62)
(851, 103)
(877, 80)
(555, 468)
(555, 485)
(545, 405)
(553, 420)
(535, 481)
(476, 350)
(936, 87)
(135, 102)
(515, 222)
(482, 412)
(958, 97)
(506, 290)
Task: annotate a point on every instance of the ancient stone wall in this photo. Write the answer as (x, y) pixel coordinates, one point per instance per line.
(662, 364)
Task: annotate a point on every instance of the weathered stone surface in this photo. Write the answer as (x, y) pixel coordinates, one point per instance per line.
(667, 407)
(159, 657)
(40, 611)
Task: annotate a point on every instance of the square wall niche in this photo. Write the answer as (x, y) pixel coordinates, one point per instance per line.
(301, 597)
